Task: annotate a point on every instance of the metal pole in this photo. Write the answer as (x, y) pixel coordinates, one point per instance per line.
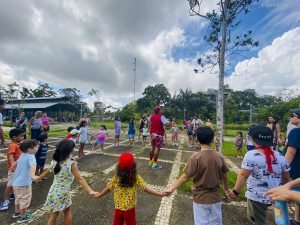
(80, 110)
(134, 75)
(250, 114)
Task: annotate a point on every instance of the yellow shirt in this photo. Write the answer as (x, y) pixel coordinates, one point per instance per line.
(125, 198)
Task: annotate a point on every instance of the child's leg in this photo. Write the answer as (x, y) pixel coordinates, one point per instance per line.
(101, 147)
(68, 216)
(215, 214)
(53, 218)
(201, 214)
(130, 217)
(17, 208)
(95, 145)
(80, 151)
(118, 217)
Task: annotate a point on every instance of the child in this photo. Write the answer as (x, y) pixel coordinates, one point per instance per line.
(16, 135)
(208, 170)
(131, 132)
(250, 145)
(117, 131)
(145, 134)
(101, 138)
(74, 135)
(189, 130)
(175, 132)
(65, 170)
(239, 144)
(195, 135)
(83, 137)
(282, 147)
(69, 130)
(25, 173)
(41, 154)
(125, 185)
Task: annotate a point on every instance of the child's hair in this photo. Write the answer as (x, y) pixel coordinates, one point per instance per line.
(239, 133)
(15, 132)
(28, 144)
(205, 135)
(104, 127)
(127, 177)
(43, 137)
(82, 123)
(62, 152)
(69, 129)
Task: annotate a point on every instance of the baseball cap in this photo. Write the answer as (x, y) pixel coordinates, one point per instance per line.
(74, 131)
(296, 113)
(261, 135)
(126, 161)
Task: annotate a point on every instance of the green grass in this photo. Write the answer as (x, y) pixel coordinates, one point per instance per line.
(229, 149)
(186, 187)
(232, 133)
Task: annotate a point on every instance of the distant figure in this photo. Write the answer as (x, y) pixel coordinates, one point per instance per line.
(118, 127)
(142, 123)
(2, 140)
(293, 123)
(46, 122)
(88, 122)
(275, 127)
(36, 125)
(21, 122)
(239, 144)
(209, 123)
(131, 132)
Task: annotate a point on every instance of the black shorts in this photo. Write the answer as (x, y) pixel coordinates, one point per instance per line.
(144, 136)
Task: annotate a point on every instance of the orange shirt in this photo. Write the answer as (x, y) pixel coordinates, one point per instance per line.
(14, 149)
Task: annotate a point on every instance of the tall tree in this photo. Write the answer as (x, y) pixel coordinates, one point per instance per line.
(159, 93)
(222, 43)
(26, 93)
(73, 95)
(43, 90)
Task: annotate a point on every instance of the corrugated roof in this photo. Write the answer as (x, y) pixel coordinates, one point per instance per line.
(31, 105)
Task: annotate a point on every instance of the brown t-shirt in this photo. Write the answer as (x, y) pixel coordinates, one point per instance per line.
(206, 169)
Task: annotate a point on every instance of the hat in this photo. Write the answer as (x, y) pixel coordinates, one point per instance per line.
(156, 109)
(296, 113)
(74, 131)
(126, 161)
(261, 135)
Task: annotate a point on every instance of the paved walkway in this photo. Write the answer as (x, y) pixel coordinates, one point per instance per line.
(97, 169)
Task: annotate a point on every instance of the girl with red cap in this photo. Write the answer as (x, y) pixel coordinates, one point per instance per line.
(125, 185)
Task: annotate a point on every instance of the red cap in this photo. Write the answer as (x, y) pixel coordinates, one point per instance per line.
(156, 109)
(126, 161)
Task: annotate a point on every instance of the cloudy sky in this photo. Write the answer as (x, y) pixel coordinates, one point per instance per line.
(92, 44)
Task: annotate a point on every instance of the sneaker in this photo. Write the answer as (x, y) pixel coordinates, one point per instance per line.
(156, 167)
(150, 163)
(25, 219)
(11, 196)
(4, 205)
(101, 152)
(16, 215)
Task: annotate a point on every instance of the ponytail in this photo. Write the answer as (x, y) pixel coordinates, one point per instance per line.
(62, 152)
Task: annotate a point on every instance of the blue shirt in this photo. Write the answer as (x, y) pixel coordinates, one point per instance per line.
(21, 121)
(22, 175)
(42, 152)
(294, 141)
(131, 129)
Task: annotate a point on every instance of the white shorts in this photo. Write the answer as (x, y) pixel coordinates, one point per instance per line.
(207, 214)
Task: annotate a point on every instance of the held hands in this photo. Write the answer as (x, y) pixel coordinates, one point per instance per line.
(279, 193)
(168, 191)
(94, 194)
(230, 194)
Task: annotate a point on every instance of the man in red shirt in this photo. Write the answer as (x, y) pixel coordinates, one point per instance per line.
(157, 132)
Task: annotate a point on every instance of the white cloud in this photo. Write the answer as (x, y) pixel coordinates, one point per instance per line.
(276, 67)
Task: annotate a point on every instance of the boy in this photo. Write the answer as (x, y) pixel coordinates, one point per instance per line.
(74, 135)
(25, 173)
(208, 170)
(16, 135)
(41, 154)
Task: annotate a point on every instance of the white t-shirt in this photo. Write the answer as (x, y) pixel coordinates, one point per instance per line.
(260, 180)
(83, 134)
(145, 131)
(248, 140)
(1, 119)
(197, 122)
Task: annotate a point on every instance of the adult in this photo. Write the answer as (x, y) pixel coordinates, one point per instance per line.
(293, 157)
(274, 125)
(262, 169)
(118, 127)
(88, 122)
(2, 139)
(36, 125)
(294, 122)
(143, 121)
(157, 132)
(21, 122)
(197, 121)
(46, 122)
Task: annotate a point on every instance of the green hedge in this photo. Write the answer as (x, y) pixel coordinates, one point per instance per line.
(232, 126)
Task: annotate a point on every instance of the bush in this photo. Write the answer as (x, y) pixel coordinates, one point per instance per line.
(231, 126)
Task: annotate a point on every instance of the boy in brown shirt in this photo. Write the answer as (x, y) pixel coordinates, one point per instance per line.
(208, 170)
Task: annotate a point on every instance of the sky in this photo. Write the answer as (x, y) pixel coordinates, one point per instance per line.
(92, 44)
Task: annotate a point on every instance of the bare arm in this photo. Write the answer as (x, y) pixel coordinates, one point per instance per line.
(285, 177)
(32, 173)
(79, 179)
(225, 181)
(12, 162)
(25, 121)
(184, 178)
(241, 179)
(104, 192)
(153, 192)
(46, 173)
(290, 154)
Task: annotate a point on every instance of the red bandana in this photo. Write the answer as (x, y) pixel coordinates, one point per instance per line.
(270, 157)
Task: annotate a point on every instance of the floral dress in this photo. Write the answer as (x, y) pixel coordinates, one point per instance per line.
(59, 196)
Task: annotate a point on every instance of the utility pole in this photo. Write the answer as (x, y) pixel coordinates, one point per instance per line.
(250, 110)
(134, 75)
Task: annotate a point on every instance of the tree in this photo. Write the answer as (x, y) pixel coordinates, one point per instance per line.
(73, 95)
(222, 43)
(26, 93)
(158, 93)
(43, 90)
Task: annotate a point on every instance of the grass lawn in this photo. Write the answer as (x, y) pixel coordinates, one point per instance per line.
(229, 149)
(231, 182)
(232, 133)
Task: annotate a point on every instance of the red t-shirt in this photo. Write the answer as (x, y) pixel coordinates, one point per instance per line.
(13, 149)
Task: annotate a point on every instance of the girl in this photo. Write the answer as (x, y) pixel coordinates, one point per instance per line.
(145, 134)
(131, 132)
(46, 121)
(101, 138)
(189, 130)
(117, 131)
(65, 170)
(175, 132)
(83, 137)
(125, 185)
(239, 144)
